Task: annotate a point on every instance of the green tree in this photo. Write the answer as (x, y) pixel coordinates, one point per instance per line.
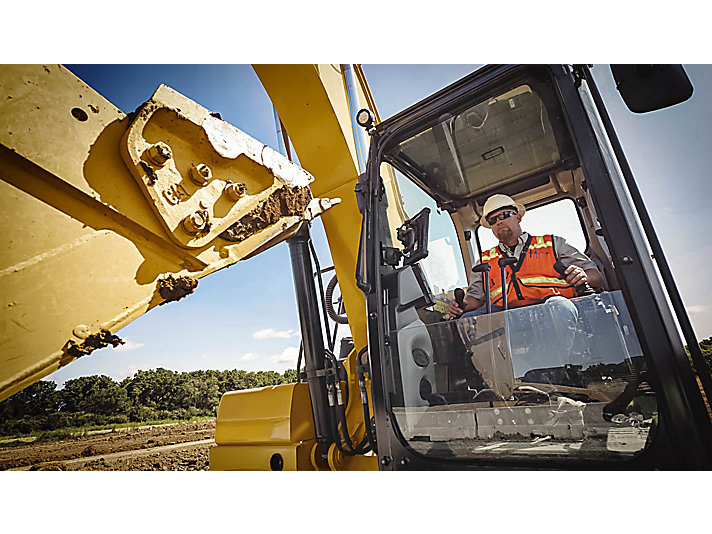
(97, 394)
(706, 349)
(148, 395)
(290, 376)
(39, 398)
(199, 390)
(232, 380)
(266, 378)
(155, 388)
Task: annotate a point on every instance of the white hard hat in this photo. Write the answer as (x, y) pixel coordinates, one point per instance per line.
(497, 202)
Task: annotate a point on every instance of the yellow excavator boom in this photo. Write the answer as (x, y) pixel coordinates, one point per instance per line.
(106, 216)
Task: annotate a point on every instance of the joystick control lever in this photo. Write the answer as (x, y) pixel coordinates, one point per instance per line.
(582, 290)
(460, 298)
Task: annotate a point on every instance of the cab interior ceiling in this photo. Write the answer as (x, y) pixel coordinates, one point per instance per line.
(515, 142)
(533, 190)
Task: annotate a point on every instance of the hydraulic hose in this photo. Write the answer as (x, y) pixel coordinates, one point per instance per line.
(338, 414)
(360, 368)
(299, 359)
(321, 290)
(339, 319)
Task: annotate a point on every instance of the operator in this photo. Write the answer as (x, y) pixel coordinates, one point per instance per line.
(532, 280)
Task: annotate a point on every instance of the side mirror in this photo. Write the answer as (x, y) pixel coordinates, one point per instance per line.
(651, 87)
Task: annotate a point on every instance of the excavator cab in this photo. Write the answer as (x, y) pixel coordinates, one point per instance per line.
(601, 380)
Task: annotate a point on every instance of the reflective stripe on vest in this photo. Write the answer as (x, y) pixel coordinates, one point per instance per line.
(543, 280)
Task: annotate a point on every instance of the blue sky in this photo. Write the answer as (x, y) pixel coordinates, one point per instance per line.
(245, 316)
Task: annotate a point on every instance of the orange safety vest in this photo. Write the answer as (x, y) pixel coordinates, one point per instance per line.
(532, 278)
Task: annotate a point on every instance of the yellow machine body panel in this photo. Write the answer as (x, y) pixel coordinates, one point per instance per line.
(263, 415)
(272, 428)
(269, 428)
(98, 227)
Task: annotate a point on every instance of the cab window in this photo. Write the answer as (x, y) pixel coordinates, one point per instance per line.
(559, 380)
(558, 218)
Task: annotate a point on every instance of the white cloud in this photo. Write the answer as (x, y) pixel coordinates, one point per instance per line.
(269, 333)
(248, 356)
(128, 345)
(700, 308)
(128, 371)
(289, 355)
(203, 356)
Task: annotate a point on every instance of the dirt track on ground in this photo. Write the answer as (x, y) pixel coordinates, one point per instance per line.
(179, 447)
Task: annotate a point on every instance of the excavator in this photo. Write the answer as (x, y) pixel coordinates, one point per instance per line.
(108, 215)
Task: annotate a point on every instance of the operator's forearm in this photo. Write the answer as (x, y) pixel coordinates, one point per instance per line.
(471, 303)
(595, 279)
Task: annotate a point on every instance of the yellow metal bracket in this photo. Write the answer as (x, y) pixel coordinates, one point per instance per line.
(197, 171)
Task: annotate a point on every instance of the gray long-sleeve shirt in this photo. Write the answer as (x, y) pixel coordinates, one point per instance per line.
(564, 252)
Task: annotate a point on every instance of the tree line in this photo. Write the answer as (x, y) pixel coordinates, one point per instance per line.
(706, 350)
(152, 395)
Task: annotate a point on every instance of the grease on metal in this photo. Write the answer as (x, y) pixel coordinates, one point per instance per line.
(176, 287)
(101, 339)
(152, 176)
(284, 202)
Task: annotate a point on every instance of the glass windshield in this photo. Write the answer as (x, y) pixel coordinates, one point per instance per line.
(506, 136)
(561, 379)
(443, 265)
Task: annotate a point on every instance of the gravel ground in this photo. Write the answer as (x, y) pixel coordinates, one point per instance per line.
(145, 449)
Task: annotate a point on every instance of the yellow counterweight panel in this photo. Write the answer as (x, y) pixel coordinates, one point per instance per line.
(268, 428)
(88, 244)
(272, 428)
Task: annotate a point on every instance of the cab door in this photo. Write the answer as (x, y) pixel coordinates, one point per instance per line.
(539, 134)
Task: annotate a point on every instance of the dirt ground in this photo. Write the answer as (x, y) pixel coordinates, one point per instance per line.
(177, 447)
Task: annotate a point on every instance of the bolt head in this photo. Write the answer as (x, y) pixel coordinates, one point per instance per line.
(235, 191)
(195, 222)
(159, 153)
(82, 331)
(200, 174)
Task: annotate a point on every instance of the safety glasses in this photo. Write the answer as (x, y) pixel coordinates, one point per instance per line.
(500, 217)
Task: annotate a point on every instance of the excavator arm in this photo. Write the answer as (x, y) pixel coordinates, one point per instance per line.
(108, 215)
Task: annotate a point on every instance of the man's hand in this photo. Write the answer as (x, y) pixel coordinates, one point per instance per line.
(453, 309)
(470, 303)
(575, 275)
